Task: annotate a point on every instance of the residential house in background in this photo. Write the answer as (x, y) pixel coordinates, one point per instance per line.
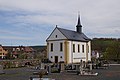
(29, 52)
(95, 54)
(3, 52)
(68, 46)
(28, 49)
(15, 51)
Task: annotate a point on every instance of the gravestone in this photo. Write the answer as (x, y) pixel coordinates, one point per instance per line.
(1, 69)
(16, 64)
(62, 67)
(42, 66)
(49, 69)
(90, 67)
(87, 73)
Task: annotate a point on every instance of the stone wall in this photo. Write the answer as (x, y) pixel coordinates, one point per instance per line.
(19, 63)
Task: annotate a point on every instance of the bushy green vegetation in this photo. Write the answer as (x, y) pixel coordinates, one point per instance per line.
(109, 47)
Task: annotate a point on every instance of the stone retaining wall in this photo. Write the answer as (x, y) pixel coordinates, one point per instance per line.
(19, 63)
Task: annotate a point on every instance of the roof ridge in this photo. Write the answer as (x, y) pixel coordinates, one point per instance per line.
(67, 30)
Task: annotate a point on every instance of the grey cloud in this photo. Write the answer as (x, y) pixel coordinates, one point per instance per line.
(97, 16)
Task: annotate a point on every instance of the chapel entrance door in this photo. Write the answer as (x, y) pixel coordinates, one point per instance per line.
(56, 59)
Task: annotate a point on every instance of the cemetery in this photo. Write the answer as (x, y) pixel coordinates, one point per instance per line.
(81, 69)
(50, 71)
(43, 71)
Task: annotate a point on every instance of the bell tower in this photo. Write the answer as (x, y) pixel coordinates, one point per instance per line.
(79, 26)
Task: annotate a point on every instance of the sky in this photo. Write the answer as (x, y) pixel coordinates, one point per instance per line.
(30, 22)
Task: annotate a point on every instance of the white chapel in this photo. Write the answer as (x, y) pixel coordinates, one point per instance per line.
(68, 46)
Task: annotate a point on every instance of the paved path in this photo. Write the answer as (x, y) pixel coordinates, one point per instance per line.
(114, 64)
(113, 73)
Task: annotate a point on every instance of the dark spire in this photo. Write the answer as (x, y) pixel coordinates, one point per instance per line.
(79, 23)
(79, 26)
